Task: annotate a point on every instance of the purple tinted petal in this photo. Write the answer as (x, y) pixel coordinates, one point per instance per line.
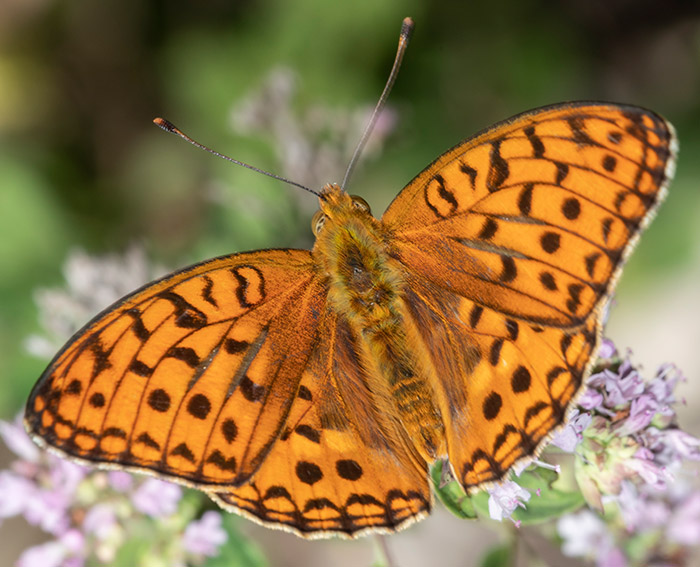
(73, 540)
(572, 434)
(591, 399)
(100, 521)
(15, 492)
(16, 438)
(120, 481)
(649, 471)
(674, 445)
(684, 526)
(641, 511)
(631, 385)
(156, 498)
(205, 536)
(642, 411)
(607, 349)
(66, 475)
(566, 439)
(612, 557)
(505, 498)
(582, 533)
(49, 554)
(48, 509)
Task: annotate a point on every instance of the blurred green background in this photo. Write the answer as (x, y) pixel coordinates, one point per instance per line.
(81, 165)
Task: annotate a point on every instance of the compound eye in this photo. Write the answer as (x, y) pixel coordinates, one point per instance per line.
(317, 222)
(360, 203)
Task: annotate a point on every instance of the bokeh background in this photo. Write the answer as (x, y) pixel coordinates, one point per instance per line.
(81, 165)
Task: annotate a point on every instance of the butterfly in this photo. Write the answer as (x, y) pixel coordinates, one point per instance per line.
(311, 390)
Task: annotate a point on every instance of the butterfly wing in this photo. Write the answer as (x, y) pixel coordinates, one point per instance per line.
(191, 377)
(513, 240)
(340, 467)
(535, 215)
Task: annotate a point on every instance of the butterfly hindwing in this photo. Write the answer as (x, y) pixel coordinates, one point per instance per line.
(502, 384)
(339, 467)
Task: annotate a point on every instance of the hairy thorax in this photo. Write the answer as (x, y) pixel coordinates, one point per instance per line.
(366, 288)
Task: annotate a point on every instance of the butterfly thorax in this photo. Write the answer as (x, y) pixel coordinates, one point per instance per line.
(351, 250)
(365, 288)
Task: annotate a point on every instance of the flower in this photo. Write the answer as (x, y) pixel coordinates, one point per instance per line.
(92, 514)
(94, 282)
(156, 498)
(684, 526)
(629, 452)
(272, 111)
(205, 536)
(583, 534)
(504, 498)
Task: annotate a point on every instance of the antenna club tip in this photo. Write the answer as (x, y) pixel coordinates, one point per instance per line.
(407, 27)
(164, 124)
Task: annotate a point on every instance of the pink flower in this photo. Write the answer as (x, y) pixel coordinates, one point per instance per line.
(18, 441)
(50, 554)
(568, 438)
(120, 481)
(607, 349)
(100, 520)
(684, 526)
(15, 492)
(642, 411)
(156, 498)
(205, 536)
(584, 534)
(505, 498)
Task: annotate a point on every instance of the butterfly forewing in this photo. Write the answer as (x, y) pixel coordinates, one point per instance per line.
(191, 377)
(535, 215)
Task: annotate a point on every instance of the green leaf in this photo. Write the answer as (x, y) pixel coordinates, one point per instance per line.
(452, 495)
(238, 550)
(550, 504)
(499, 556)
(538, 478)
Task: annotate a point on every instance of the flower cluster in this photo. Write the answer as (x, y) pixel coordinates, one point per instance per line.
(316, 146)
(95, 516)
(634, 503)
(94, 282)
(629, 453)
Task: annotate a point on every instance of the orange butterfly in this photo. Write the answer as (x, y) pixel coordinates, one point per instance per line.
(311, 390)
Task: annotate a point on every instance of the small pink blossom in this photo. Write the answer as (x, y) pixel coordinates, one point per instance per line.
(18, 441)
(568, 438)
(50, 554)
(607, 349)
(100, 521)
(120, 481)
(684, 525)
(504, 498)
(15, 492)
(206, 535)
(157, 498)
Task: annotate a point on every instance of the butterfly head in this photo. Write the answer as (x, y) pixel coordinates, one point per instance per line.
(337, 205)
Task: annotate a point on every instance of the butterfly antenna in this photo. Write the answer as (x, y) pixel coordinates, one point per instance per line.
(405, 35)
(169, 127)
